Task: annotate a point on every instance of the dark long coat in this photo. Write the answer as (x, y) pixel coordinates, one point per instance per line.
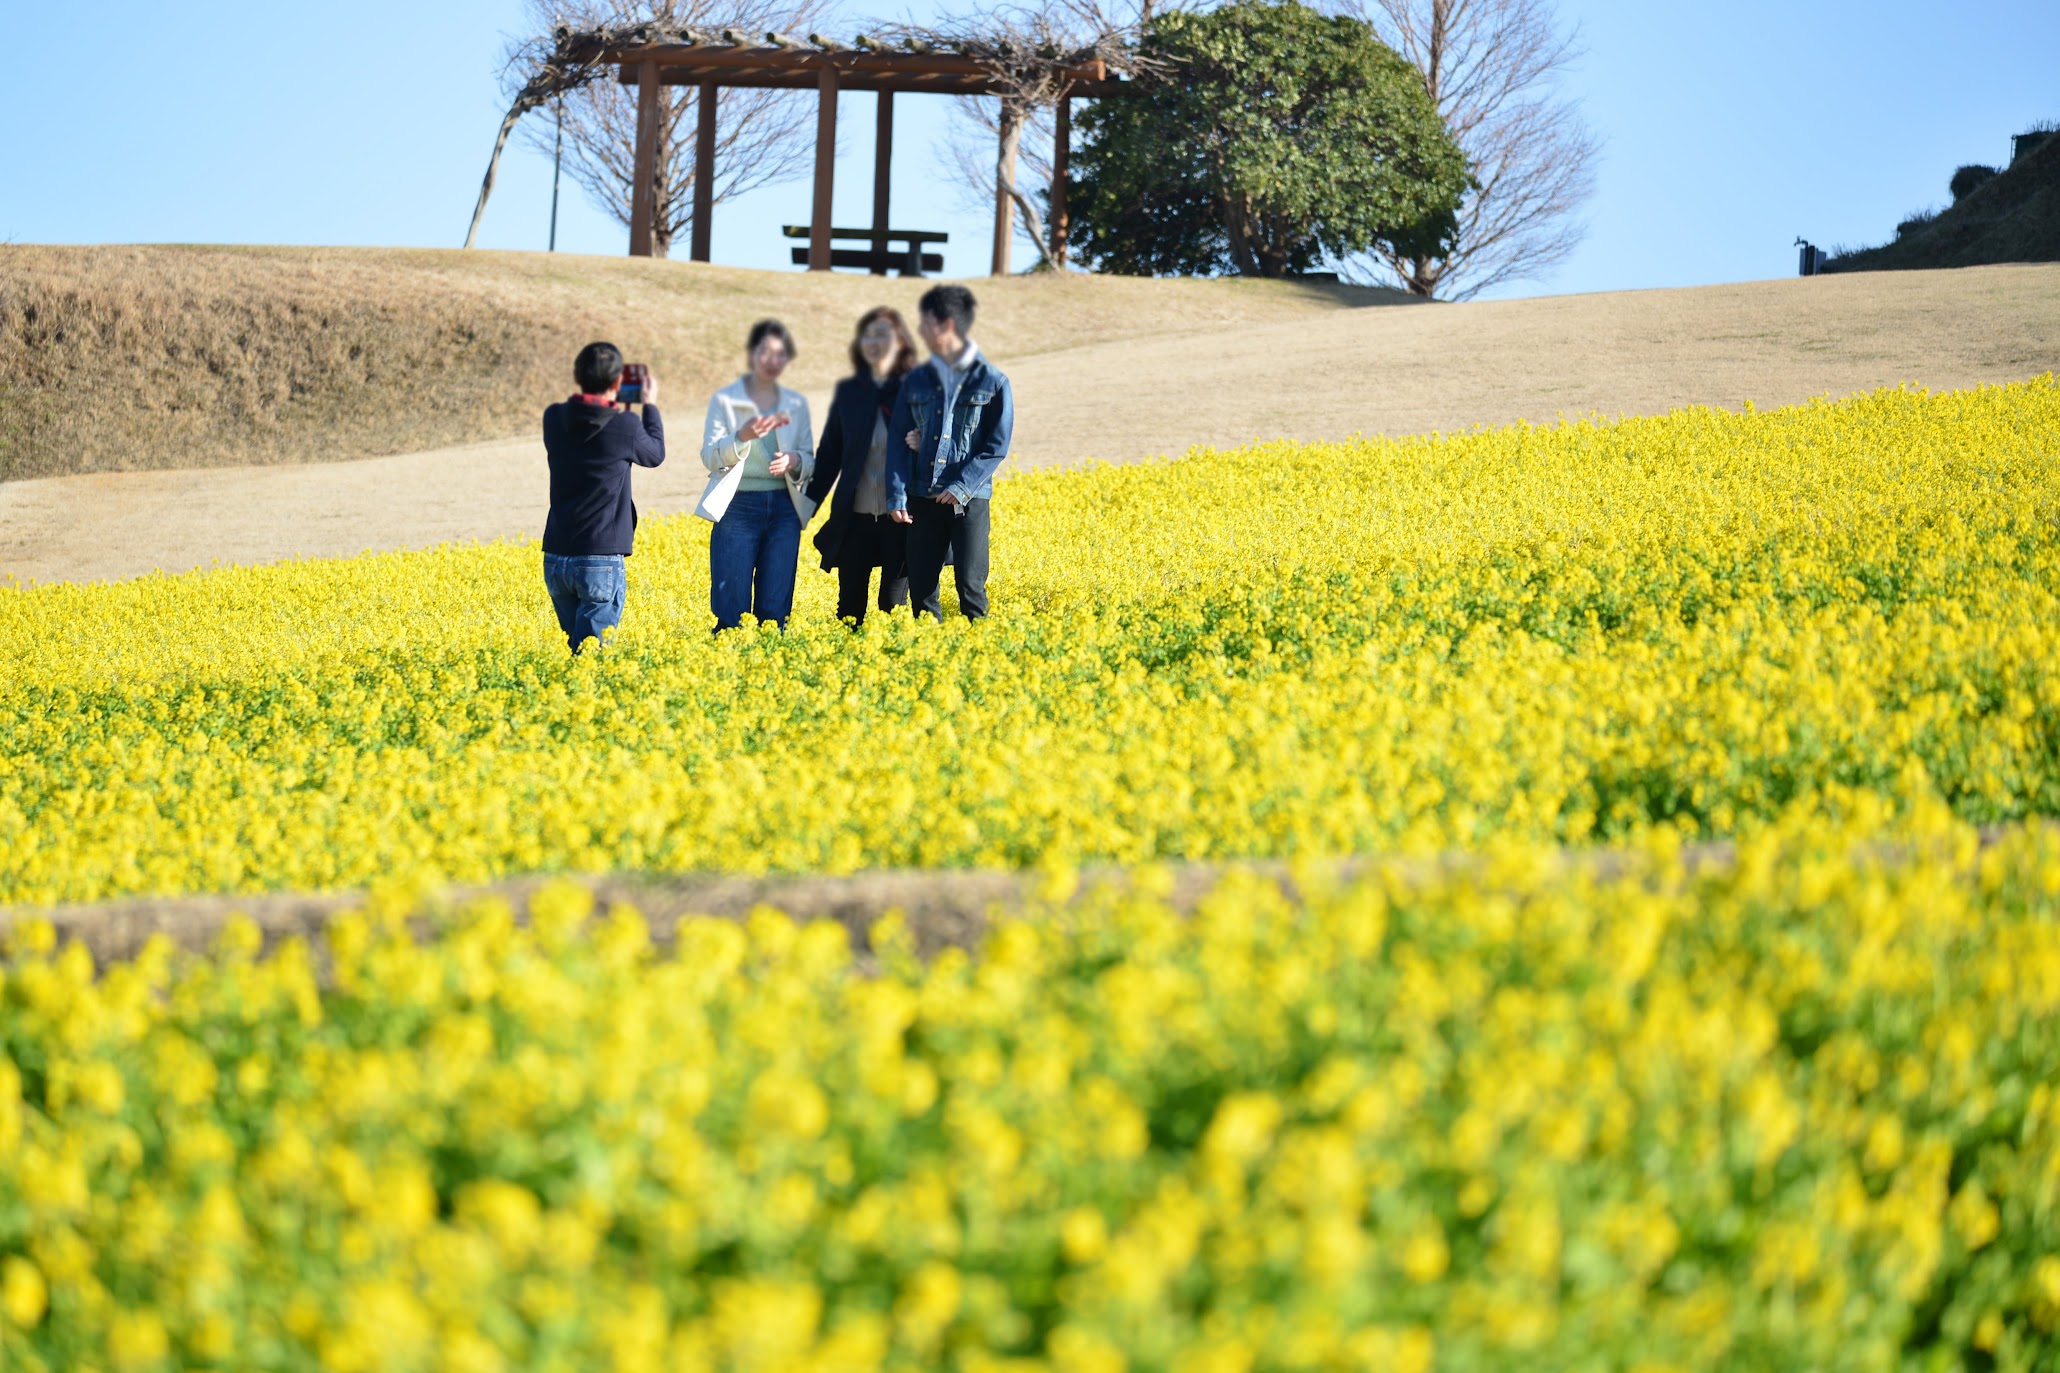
(857, 406)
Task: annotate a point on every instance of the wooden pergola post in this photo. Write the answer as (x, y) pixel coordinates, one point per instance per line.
(825, 168)
(1004, 179)
(883, 163)
(1061, 169)
(643, 194)
(704, 173)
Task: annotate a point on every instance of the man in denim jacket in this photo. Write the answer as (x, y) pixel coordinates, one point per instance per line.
(955, 416)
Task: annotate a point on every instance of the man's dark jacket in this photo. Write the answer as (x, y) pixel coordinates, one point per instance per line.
(591, 449)
(857, 407)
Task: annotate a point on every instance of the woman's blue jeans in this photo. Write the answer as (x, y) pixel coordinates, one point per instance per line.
(587, 593)
(752, 552)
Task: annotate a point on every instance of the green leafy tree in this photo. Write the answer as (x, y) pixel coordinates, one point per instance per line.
(1268, 138)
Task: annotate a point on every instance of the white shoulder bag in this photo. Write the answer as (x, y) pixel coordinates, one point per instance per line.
(797, 492)
(722, 486)
(797, 481)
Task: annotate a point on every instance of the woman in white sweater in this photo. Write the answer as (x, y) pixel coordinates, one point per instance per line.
(756, 422)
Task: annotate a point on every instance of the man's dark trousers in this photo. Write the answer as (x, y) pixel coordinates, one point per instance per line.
(938, 528)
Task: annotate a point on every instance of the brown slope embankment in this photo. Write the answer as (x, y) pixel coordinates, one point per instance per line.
(1108, 368)
(127, 358)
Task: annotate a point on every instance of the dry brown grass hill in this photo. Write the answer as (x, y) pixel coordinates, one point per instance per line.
(315, 384)
(126, 358)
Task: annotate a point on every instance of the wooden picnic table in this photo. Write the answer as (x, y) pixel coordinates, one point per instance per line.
(878, 257)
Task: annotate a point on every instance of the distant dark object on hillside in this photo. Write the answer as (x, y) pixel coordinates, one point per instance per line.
(2010, 214)
(1966, 178)
(1916, 223)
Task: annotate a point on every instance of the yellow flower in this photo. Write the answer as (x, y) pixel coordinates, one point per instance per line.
(23, 1296)
(1243, 1127)
(789, 1103)
(927, 1304)
(1425, 1255)
(1084, 1234)
(137, 1339)
(1975, 1218)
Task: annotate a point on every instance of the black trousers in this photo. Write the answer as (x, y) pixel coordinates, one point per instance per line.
(938, 529)
(871, 541)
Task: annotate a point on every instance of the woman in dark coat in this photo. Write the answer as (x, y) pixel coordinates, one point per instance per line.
(859, 536)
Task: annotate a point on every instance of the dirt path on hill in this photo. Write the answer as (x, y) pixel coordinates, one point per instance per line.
(944, 908)
(1329, 376)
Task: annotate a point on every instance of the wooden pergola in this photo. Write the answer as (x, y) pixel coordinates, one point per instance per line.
(780, 62)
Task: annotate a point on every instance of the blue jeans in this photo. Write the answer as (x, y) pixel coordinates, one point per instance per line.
(586, 592)
(751, 556)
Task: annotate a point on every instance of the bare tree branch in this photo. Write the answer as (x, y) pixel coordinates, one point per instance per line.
(767, 135)
(972, 140)
(1491, 67)
(763, 136)
(564, 61)
(1026, 47)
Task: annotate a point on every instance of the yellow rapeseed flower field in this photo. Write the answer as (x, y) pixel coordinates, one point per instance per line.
(1519, 1109)
(1553, 633)
(1798, 1112)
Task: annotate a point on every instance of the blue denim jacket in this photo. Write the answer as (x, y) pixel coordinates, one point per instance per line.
(959, 458)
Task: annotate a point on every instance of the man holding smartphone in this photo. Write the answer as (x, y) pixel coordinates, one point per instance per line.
(592, 442)
(956, 417)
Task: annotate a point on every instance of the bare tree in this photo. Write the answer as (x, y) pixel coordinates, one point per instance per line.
(762, 136)
(1006, 144)
(1492, 67)
(978, 160)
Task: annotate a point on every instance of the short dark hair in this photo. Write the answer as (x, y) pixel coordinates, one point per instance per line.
(771, 328)
(598, 367)
(904, 360)
(954, 303)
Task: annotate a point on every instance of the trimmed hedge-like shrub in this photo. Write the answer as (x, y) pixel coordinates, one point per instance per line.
(1966, 178)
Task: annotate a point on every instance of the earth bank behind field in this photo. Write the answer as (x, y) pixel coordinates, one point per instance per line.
(127, 358)
(1104, 368)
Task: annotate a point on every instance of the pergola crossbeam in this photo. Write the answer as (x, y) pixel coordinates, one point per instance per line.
(847, 61)
(920, 84)
(779, 62)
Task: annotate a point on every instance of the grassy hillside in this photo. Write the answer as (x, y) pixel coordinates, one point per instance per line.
(118, 358)
(2013, 217)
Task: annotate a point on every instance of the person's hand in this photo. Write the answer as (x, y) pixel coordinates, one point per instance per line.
(901, 517)
(946, 498)
(650, 388)
(915, 440)
(761, 425)
(783, 463)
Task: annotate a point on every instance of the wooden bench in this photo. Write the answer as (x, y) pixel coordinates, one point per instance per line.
(879, 255)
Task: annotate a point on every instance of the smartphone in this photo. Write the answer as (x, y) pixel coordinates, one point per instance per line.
(631, 391)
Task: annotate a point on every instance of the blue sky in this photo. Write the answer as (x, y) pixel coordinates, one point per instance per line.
(1728, 130)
